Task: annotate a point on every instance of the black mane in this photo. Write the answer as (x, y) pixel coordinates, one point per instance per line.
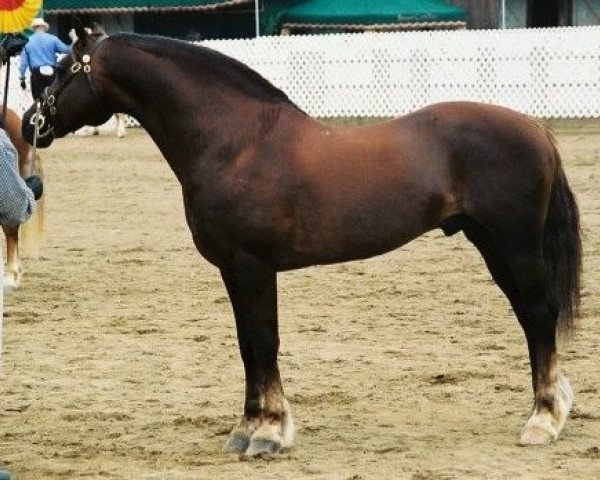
(235, 73)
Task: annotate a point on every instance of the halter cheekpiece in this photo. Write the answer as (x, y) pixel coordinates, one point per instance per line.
(84, 64)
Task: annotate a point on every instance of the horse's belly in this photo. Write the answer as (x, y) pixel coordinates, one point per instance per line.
(356, 231)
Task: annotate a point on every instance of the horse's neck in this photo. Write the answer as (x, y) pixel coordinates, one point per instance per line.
(185, 115)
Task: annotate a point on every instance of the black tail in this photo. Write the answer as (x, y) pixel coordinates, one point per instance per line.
(562, 247)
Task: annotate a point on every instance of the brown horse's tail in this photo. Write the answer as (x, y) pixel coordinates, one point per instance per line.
(32, 232)
(562, 246)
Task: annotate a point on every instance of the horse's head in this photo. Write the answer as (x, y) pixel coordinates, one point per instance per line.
(75, 97)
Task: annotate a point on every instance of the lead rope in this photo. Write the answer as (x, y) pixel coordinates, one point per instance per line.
(36, 132)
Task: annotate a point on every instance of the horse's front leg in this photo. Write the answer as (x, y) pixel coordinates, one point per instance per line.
(12, 271)
(120, 117)
(267, 424)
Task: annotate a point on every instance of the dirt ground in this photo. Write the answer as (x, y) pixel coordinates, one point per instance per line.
(121, 358)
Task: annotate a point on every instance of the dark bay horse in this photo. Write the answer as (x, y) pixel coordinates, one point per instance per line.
(267, 189)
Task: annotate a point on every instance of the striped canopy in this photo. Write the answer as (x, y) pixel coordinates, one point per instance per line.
(129, 6)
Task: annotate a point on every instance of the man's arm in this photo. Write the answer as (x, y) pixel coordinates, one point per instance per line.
(61, 47)
(16, 200)
(24, 63)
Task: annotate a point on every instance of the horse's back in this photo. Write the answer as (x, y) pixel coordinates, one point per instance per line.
(472, 124)
(379, 186)
(485, 143)
(433, 152)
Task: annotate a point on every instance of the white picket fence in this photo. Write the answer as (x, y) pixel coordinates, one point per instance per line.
(543, 72)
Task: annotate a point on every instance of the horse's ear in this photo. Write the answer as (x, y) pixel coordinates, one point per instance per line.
(98, 29)
(81, 33)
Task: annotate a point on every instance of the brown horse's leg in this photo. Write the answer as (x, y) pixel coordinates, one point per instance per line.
(267, 423)
(522, 278)
(553, 394)
(503, 278)
(12, 271)
(121, 127)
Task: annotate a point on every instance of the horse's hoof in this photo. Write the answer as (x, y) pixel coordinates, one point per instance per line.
(538, 430)
(262, 446)
(266, 440)
(537, 436)
(237, 442)
(10, 284)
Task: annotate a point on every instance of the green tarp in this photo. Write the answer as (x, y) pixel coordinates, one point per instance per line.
(361, 12)
(57, 6)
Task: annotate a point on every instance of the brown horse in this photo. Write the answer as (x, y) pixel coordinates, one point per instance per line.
(121, 127)
(13, 271)
(266, 189)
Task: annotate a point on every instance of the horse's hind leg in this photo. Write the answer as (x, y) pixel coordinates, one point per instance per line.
(553, 394)
(521, 274)
(267, 424)
(12, 270)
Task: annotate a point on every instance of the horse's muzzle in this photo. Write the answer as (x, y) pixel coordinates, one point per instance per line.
(45, 135)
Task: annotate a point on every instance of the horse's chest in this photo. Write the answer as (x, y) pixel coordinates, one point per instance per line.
(211, 242)
(207, 232)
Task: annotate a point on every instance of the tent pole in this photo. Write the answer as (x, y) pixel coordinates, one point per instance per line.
(5, 96)
(257, 18)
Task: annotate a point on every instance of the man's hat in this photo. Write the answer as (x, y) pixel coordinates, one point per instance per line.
(39, 22)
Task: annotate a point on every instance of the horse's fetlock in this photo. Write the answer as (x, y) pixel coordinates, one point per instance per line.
(253, 409)
(274, 417)
(545, 403)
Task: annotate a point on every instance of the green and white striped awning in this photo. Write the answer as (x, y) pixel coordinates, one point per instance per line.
(352, 15)
(58, 7)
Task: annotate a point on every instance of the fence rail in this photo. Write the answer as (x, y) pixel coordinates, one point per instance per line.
(542, 72)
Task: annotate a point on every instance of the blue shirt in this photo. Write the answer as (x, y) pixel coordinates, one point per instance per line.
(16, 200)
(41, 50)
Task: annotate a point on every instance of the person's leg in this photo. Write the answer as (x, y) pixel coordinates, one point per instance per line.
(36, 87)
(39, 82)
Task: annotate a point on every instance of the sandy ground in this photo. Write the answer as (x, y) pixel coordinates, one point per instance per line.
(121, 358)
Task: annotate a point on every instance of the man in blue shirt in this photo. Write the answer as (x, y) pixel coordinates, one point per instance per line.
(39, 55)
